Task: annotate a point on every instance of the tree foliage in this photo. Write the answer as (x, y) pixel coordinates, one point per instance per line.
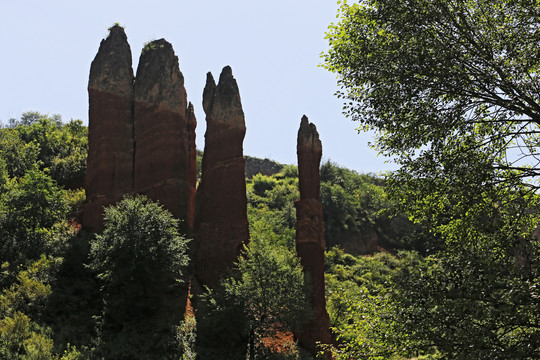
(46, 143)
(265, 295)
(356, 209)
(139, 258)
(270, 289)
(23, 334)
(364, 314)
(449, 78)
(451, 89)
(33, 212)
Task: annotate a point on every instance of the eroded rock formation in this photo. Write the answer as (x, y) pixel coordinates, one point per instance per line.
(221, 225)
(164, 127)
(310, 234)
(142, 140)
(192, 165)
(109, 173)
(142, 135)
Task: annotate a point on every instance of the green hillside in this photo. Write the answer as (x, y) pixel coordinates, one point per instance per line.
(70, 294)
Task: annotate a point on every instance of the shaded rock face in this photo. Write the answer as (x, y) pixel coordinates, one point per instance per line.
(221, 226)
(164, 129)
(109, 173)
(310, 234)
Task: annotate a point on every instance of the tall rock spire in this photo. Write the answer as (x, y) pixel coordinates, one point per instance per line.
(221, 226)
(310, 233)
(109, 173)
(192, 165)
(164, 132)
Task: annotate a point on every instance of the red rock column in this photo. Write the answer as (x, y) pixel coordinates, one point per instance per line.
(192, 165)
(164, 132)
(109, 171)
(310, 234)
(221, 226)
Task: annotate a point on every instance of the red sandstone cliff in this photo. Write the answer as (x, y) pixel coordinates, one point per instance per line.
(221, 226)
(109, 173)
(310, 234)
(164, 132)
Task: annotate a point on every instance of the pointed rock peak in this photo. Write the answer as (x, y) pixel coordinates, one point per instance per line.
(159, 80)
(304, 123)
(116, 42)
(226, 74)
(111, 69)
(222, 102)
(308, 135)
(161, 45)
(191, 120)
(117, 31)
(208, 93)
(210, 80)
(227, 84)
(157, 55)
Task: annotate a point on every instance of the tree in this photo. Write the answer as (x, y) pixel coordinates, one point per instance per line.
(439, 80)
(362, 312)
(263, 297)
(46, 143)
(452, 90)
(23, 333)
(139, 258)
(19, 156)
(33, 212)
(270, 289)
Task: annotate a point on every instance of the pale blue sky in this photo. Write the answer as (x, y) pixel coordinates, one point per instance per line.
(272, 47)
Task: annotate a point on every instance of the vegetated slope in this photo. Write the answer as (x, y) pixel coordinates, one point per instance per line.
(50, 298)
(358, 216)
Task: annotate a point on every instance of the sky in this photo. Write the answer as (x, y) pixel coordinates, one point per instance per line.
(273, 48)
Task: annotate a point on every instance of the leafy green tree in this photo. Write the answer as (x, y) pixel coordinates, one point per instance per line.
(451, 89)
(18, 155)
(356, 209)
(264, 296)
(23, 333)
(33, 212)
(441, 80)
(271, 290)
(139, 258)
(271, 199)
(364, 313)
(39, 141)
(3, 175)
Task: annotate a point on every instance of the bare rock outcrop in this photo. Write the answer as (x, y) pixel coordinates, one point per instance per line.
(221, 226)
(109, 173)
(310, 234)
(164, 132)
